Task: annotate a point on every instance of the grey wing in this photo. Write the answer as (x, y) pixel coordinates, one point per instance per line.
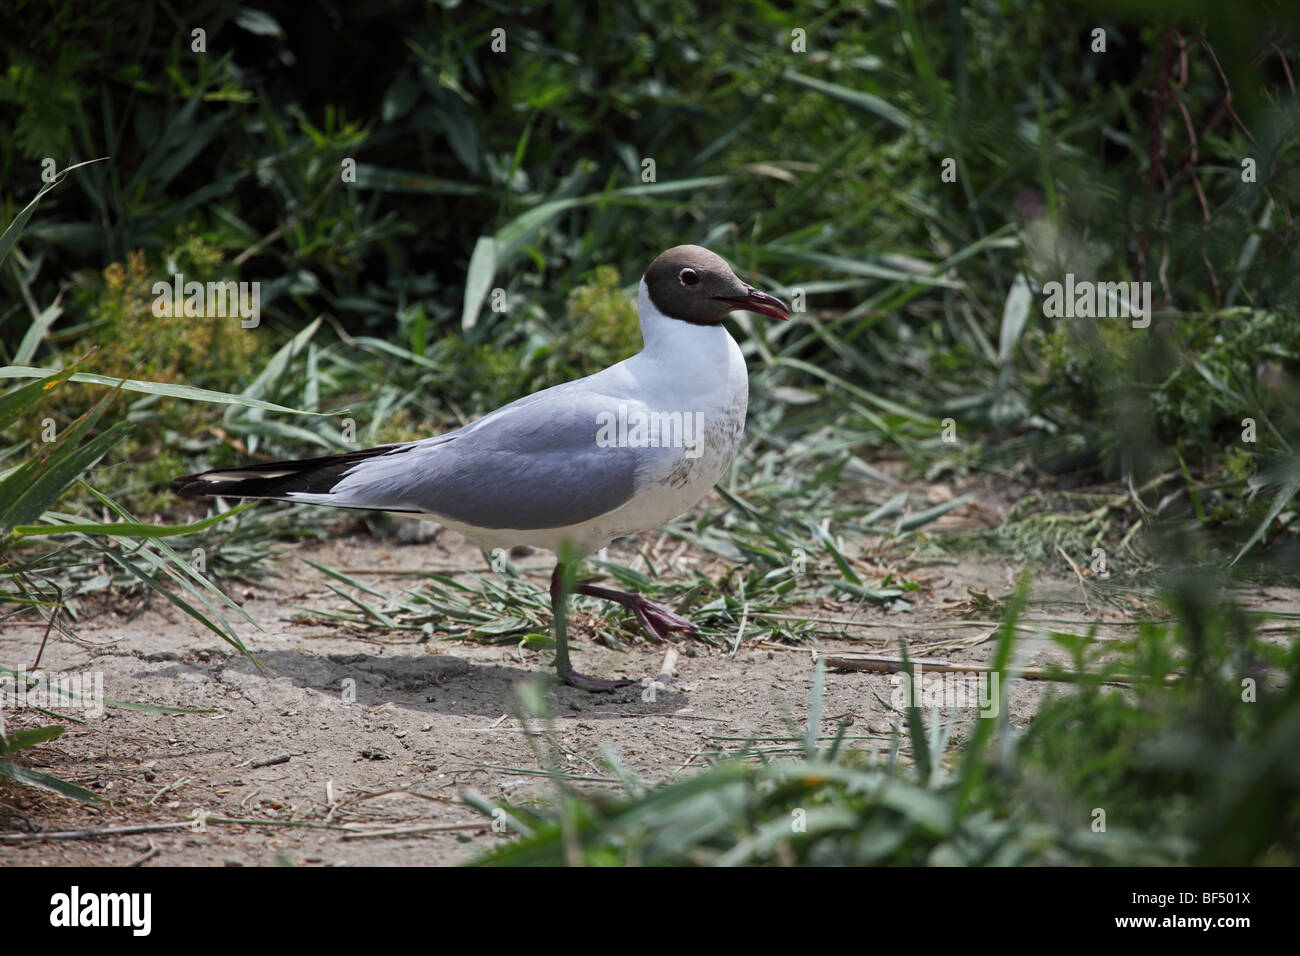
(530, 465)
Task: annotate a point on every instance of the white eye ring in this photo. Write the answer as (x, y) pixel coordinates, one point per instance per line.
(688, 276)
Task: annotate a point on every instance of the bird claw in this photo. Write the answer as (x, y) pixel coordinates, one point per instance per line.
(658, 620)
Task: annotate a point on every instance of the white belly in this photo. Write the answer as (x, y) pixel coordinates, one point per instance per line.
(676, 484)
(686, 368)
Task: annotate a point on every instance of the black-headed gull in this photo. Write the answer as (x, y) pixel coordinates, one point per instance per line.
(572, 467)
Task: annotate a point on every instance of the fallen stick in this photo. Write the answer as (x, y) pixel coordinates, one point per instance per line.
(157, 827)
(153, 852)
(669, 665)
(92, 834)
(271, 761)
(1083, 588)
(894, 665)
(171, 786)
(413, 831)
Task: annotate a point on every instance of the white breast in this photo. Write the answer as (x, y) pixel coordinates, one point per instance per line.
(679, 480)
(684, 368)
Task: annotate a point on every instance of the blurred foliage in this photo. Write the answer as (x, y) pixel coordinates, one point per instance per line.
(523, 170)
(1190, 771)
(1184, 757)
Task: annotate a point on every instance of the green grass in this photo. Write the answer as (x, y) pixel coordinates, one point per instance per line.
(921, 353)
(1148, 775)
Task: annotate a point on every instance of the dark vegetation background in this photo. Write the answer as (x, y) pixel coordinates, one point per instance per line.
(817, 171)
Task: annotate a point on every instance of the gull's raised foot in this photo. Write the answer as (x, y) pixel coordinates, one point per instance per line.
(658, 621)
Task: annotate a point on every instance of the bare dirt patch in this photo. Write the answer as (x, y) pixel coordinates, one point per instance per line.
(285, 753)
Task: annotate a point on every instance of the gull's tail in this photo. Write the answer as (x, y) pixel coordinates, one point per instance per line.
(308, 480)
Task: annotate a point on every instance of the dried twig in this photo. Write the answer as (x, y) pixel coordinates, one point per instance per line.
(153, 852)
(271, 761)
(669, 665)
(894, 665)
(413, 831)
(171, 786)
(94, 834)
(1078, 574)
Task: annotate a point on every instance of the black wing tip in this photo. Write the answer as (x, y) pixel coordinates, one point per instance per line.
(199, 485)
(190, 486)
(315, 475)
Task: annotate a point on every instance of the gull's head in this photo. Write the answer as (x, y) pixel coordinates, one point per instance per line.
(694, 285)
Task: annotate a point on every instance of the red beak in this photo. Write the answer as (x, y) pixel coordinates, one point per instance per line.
(757, 301)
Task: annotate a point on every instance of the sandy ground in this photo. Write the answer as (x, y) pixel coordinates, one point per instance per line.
(284, 747)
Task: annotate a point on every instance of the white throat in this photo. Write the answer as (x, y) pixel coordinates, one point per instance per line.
(685, 363)
(677, 342)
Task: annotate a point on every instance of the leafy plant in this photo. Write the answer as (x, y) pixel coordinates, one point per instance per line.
(1167, 761)
(11, 743)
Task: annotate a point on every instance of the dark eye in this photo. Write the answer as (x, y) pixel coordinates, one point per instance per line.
(688, 277)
